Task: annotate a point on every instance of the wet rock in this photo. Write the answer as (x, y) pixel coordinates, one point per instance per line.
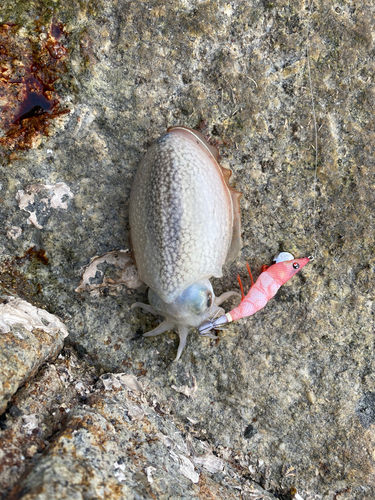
(30, 67)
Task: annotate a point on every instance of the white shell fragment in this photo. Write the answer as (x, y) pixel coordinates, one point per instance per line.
(124, 272)
(56, 197)
(14, 232)
(136, 412)
(19, 312)
(187, 469)
(130, 382)
(30, 422)
(119, 471)
(149, 470)
(283, 257)
(296, 495)
(186, 390)
(186, 466)
(210, 462)
(113, 381)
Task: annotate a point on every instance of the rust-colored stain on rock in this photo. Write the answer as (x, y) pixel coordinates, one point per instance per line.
(33, 253)
(30, 65)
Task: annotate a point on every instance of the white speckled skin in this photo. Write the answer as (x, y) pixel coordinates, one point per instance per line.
(181, 222)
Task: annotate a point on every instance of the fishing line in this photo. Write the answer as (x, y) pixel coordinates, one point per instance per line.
(316, 135)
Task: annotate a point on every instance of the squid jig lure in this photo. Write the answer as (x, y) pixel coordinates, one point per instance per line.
(266, 287)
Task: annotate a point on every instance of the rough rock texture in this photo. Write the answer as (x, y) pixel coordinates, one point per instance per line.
(38, 411)
(289, 393)
(29, 336)
(82, 436)
(116, 444)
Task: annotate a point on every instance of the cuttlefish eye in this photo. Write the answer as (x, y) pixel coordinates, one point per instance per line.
(197, 298)
(295, 265)
(209, 300)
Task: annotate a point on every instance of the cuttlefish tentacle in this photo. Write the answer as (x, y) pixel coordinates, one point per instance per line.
(225, 296)
(145, 307)
(183, 333)
(163, 327)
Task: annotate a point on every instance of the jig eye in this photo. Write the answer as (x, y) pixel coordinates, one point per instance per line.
(295, 265)
(209, 300)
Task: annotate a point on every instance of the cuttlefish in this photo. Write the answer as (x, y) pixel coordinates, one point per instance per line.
(185, 224)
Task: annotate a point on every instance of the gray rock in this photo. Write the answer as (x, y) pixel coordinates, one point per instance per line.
(38, 411)
(116, 442)
(29, 336)
(286, 393)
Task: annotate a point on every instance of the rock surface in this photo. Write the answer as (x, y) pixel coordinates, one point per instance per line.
(29, 336)
(38, 411)
(118, 444)
(286, 398)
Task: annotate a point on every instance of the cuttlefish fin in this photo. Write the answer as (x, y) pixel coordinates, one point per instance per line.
(236, 241)
(200, 137)
(235, 195)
